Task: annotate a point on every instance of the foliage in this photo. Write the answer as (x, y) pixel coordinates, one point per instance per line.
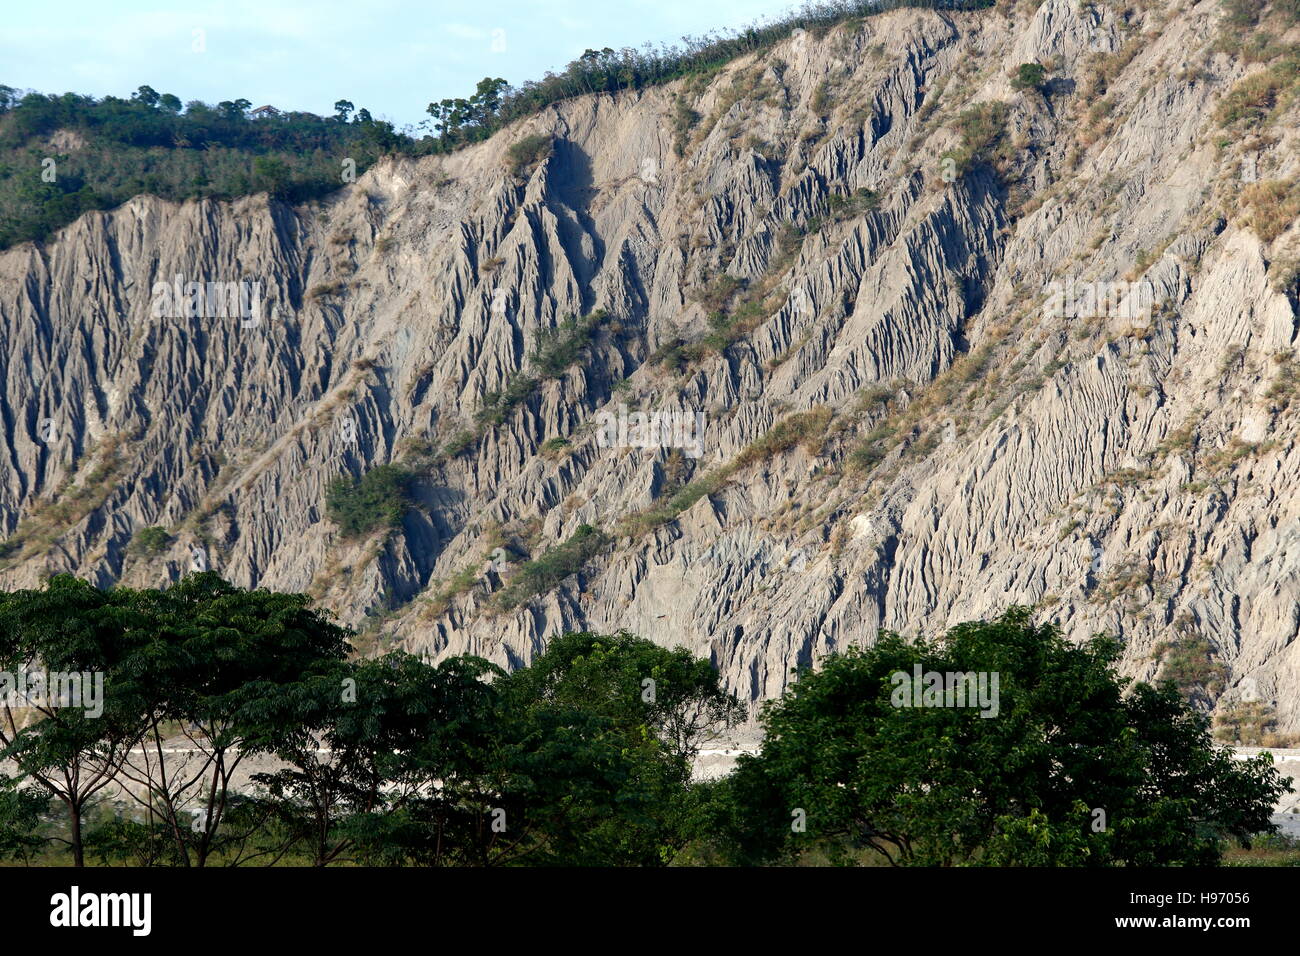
(1271, 207)
(584, 756)
(497, 405)
(455, 118)
(646, 711)
(212, 662)
(366, 741)
(554, 352)
(112, 149)
(1029, 76)
(1247, 723)
(554, 446)
(607, 70)
(529, 152)
(941, 785)
(378, 499)
(70, 753)
(981, 128)
(802, 428)
(633, 683)
(458, 443)
(563, 762)
(542, 574)
(152, 540)
(1190, 663)
(808, 429)
(1256, 100)
(23, 812)
(840, 208)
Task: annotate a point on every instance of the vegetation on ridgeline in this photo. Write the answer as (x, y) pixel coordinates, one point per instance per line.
(65, 154)
(495, 104)
(62, 155)
(584, 756)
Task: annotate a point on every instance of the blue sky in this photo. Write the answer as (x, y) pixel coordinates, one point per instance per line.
(390, 56)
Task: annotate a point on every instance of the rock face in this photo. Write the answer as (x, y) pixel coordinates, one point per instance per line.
(797, 238)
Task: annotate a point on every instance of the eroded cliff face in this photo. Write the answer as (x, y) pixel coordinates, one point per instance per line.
(961, 446)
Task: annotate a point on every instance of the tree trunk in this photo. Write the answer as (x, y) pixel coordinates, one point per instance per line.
(74, 821)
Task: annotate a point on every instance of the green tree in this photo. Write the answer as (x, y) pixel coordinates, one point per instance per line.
(233, 109)
(573, 760)
(635, 685)
(152, 540)
(557, 563)
(450, 116)
(1076, 767)
(215, 662)
(272, 174)
(529, 152)
(377, 499)
(146, 95)
(486, 101)
(625, 719)
(369, 740)
(69, 750)
(22, 820)
(454, 792)
(1029, 76)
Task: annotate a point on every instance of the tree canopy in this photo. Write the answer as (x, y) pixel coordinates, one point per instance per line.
(998, 743)
(1074, 766)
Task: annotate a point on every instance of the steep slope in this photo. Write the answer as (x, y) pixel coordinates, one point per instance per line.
(842, 253)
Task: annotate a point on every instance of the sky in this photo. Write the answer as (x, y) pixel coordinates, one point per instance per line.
(392, 57)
